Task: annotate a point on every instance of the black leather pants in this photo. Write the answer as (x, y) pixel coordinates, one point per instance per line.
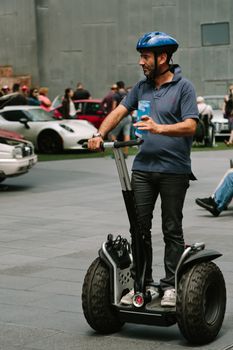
(172, 190)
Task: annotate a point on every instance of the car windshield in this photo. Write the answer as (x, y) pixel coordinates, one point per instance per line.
(39, 115)
(215, 102)
(57, 101)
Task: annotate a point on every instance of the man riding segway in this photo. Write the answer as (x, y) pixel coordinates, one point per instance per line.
(167, 105)
(162, 166)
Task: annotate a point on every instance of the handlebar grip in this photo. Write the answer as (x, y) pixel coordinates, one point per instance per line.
(119, 144)
(85, 146)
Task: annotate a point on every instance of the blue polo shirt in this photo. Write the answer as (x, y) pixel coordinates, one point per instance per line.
(172, 103)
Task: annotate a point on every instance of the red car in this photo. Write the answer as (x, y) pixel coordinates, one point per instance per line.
(90, 110)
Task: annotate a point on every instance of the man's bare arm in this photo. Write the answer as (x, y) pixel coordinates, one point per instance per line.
(109, 123)
(185, 128)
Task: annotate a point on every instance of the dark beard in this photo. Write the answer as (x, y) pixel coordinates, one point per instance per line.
(155, 73)
(152, 75)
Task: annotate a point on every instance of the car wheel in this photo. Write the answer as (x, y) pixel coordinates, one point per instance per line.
(201, 303)
(96, 299)
(50, 142)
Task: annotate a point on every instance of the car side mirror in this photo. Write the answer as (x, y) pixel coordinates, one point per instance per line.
(24, 121)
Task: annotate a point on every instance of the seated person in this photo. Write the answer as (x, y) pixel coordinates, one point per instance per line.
(221, 197)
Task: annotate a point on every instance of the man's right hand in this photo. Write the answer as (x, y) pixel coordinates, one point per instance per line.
(94, 144)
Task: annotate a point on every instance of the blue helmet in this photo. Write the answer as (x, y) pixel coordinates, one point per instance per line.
(157, 41)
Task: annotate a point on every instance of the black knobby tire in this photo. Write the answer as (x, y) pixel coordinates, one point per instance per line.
(200, 132)
(97, 308)
(50, 142)
(209, 141)
(201, 303)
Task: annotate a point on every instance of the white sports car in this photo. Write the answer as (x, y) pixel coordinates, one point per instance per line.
(47, 135)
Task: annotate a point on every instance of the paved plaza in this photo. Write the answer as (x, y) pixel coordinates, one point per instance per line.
(53, 221)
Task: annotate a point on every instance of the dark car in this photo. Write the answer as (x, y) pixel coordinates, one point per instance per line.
(90, 110)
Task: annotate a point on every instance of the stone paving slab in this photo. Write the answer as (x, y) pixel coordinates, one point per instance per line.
(53, 221)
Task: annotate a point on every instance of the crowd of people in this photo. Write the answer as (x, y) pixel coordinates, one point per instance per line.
(23, 95)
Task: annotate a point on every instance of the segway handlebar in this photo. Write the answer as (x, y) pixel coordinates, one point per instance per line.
(118, 144)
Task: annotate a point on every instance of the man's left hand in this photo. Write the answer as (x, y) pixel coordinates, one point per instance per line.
(147, 123)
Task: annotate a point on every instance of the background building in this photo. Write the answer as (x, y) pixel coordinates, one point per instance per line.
(61, 42)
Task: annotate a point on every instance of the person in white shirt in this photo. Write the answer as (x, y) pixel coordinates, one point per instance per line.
(203, 108)
(69, 110)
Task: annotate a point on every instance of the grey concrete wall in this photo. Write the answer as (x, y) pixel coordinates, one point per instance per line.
(18, 36)
(93, 41)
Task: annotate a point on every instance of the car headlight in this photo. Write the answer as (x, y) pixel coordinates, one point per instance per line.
(18, 152)
(66, 127)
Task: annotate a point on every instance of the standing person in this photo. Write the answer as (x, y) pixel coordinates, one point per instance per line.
(119, 94)
(108, 99)
(16, 98)
(69, 110)
(5, 90)
(44, 99)
(33, 97)
(203, 131)
(124, 127)
(203, 108)
(80, 93)
(25, 91)
(162, 166)
(221, 197)
(229, 114)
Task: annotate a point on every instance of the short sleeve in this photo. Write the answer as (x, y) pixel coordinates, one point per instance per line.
(188, 102)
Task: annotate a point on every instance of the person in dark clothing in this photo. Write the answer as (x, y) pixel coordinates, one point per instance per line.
(68, 107)
(5, 90)
(108, 99)
(228, 113)
(33, 99)
(119, 94)
(162, 167)
(122, 130)
(15, 98)
(80, 93)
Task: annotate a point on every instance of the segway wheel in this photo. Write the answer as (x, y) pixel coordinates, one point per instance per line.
(209, 140)
(96, 299)
(201, 303)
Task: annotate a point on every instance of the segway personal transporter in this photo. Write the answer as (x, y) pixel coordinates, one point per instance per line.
(199, 283)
